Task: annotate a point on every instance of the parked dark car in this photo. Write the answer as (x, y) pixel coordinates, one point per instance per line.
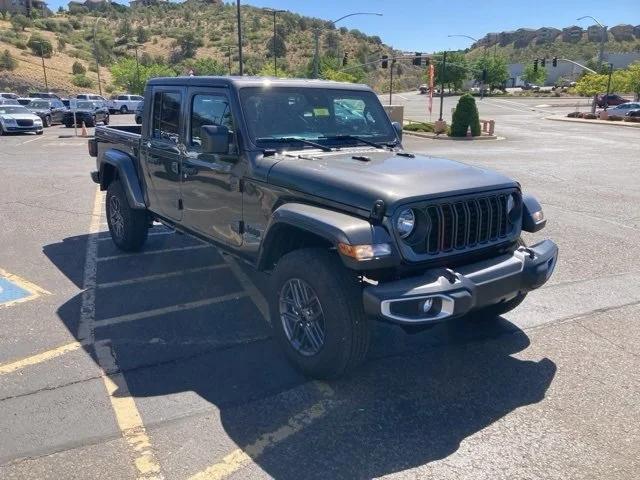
(309, 181)
(24, 101)
(634, 113)
(88, 112)
(51, 111)
(138, 114)
(611, 99)
(44, 95)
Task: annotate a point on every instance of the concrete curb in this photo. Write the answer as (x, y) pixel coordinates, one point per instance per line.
(433, 136)
(595, 122)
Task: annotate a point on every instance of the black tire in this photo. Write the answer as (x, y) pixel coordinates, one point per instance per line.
(91, 123)
(124, 110)
(47, 121)
(346, 328)
(106, 120)
(493, 311)
(39, 132)
(128, 226)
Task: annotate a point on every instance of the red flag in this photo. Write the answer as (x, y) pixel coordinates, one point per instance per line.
(432, 74)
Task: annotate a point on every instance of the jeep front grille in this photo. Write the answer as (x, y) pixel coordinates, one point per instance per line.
(462, 224)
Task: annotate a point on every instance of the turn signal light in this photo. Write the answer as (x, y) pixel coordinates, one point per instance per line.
(364, 252)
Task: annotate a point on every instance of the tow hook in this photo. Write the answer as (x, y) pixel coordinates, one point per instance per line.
(450, 275)
(528, 251)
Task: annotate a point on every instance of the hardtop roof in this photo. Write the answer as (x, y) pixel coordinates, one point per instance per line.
(240, 82)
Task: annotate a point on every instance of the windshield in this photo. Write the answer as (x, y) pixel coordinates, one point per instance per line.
(6, 109)
(317, 114)
(85, 105)
(39, 104)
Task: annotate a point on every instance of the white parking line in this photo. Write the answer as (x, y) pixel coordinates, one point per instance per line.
(257, 297)
(39, 137)
(107, 236)
(159, 276)
(152, 252)
(130, 317)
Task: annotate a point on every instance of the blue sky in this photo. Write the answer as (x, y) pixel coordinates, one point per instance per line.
(423, 25)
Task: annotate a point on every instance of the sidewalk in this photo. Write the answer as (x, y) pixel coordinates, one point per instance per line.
(599, 122)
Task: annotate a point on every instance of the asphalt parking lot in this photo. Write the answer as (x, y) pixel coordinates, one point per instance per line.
(161, 364)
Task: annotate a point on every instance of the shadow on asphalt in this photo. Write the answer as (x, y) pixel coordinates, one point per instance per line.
(416, 399)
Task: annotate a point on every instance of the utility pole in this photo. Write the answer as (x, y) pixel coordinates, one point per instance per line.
(95, 53)
(603, 39)
(275, 55)
(241, 70)
(393, 63)
(444, 69)
(44, 69)
(229, 57)
(606, 98)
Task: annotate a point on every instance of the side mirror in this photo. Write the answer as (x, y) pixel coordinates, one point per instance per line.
(398, 128)
(215, 139)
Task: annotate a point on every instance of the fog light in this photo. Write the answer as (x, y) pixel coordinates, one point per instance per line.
(427, 305)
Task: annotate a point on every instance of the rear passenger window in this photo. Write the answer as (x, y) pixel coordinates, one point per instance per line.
(209, 110)
(122, 97)
(166, 116)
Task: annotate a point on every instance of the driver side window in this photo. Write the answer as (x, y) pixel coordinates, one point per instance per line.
(210, 110)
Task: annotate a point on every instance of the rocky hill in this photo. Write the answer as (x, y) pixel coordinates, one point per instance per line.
(175, 38)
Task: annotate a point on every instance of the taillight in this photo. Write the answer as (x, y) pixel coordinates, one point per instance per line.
(93, 147)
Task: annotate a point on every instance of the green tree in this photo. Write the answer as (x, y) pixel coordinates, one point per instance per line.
(142, 36)
(632, 79)
(281, 47)
(594, 84)
(497, 70)
(189, 42)
(267, 70)
(7, 62)
(456, 71)
(78, 69)
(536, 77)
(205, 66)
(332, 43)
(465, 116)
(124, 74)
(40, 46)
(20, 22)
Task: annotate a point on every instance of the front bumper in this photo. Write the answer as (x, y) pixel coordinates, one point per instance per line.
(452, 294)
(14, 129)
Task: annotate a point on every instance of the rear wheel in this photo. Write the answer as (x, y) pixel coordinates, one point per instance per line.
(128, 226)
(124, 110)
(317, 313)
(92, 122)
(106, 120)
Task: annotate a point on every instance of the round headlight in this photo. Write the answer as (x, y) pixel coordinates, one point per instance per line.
(406, 222)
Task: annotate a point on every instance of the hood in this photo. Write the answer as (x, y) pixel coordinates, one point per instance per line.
(20, 116)
(80, 111)
(386, 176)
(40, 111)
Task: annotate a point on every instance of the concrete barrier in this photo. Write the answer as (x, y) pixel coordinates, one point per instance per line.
(395, 113)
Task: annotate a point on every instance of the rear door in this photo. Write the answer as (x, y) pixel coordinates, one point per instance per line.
(161, 150)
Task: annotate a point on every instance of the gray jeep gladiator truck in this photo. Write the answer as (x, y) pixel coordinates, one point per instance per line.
(308, 181)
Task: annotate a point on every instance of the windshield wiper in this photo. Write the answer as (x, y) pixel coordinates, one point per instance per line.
(354, 137)
(324, 148)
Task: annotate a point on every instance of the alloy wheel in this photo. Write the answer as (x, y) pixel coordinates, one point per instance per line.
(302, 317)
(115, 217)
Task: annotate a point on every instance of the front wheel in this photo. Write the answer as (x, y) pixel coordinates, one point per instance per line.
(47, 121)
(128, 226)
(317, 313)
(106, 120)
(124, 110)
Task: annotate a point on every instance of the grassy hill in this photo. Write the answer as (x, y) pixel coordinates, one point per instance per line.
(177, 37)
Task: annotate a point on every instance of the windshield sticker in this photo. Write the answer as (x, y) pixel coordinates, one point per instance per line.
(321, 112)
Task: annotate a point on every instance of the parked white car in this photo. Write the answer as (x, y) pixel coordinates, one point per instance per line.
(16, 118)
(90, 96)
(125, 103)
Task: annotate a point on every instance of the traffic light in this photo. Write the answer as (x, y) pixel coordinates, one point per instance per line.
(555, 61)
(345, 59)
(385, 61)
(484, 75)
(535, 65)
(417, 59)
(543, 62)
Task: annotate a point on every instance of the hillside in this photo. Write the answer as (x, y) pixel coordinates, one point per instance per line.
(576, 43)
(176, 37)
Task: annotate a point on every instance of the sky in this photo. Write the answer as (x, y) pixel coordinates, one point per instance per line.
(424, 25)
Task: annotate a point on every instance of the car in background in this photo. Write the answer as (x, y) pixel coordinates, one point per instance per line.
(24, 101)
(424, 88)
(90, 96)
(44, 95)
(17, 119)
(624, 108)
(634, 113)
(88, 112)
(611, 99)
(50, 110)
(8, 101)
(530, 86)
(8, 95)
(138, 114)
(123, 104)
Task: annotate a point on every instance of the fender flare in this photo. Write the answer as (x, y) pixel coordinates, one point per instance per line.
(334, 227)
(530, 205)
(127, 174)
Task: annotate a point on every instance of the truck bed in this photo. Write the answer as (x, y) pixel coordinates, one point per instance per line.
(123, 135)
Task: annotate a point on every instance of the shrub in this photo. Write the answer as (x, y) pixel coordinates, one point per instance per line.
(7, 62)
(589, 116)
(110, 88)
(82, 80)
(465, 116)
(574, 115)
(40, 46)
(419, 127)
(62, 44)
(20, 44)
(50, 24)
(20, 22)
(78, 69)
(75, 23)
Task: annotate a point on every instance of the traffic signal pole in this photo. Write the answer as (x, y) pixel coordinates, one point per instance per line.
(444, 69)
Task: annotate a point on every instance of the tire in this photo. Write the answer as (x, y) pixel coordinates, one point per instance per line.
(124, 110)
(106, 120)
(39, 132)
(91, 123)
(342, 325)
(47, 121)
(493, 311)
(128, 226)
(68, 125)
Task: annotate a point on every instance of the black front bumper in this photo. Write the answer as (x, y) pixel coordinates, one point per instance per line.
(470, 287)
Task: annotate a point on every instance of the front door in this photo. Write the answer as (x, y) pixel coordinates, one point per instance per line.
(162, 152)
(210, 182)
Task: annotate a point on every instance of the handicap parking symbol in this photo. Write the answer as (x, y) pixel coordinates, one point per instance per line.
(14, 289)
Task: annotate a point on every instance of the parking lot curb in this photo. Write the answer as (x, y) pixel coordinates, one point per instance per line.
(434, 136)
(595, 122)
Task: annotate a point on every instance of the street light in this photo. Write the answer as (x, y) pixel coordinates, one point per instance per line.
(44, 69)
(485, 57)
(603, 39)
(95, 52)
(316, 58)
(241, 70)
(135, 47)
(275, 55)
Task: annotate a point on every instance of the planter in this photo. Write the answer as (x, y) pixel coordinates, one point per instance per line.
(440, 126)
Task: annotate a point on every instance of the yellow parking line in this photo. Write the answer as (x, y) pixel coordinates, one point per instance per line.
(39, 358)
(32, 288)
(127, 414)
(240, 458)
